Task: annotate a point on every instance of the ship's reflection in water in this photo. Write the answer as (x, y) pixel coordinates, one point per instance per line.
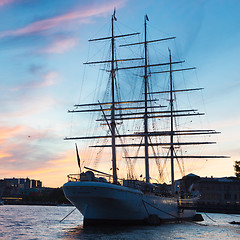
(184, 230)
(115, 232)
(43, 222)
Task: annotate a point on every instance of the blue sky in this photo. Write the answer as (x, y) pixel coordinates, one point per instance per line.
(44, 43)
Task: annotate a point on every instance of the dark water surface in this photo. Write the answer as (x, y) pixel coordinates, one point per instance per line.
(43, 222)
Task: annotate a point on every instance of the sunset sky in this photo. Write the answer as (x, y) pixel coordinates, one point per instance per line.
(43, 44)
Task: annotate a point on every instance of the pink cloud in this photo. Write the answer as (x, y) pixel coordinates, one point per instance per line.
(8, 132)
(35, 156)
(5, 2)
(79, 15)
(26, 108)
(60, 46)
(21, 141)
(48, 79)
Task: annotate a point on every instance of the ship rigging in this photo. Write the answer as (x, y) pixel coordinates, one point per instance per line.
(129, 199)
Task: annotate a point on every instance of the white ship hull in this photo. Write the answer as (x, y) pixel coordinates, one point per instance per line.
(101, 203)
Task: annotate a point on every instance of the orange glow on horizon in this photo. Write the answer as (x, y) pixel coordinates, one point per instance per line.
(41, 76)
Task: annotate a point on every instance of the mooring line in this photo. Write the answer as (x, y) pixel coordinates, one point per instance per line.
(160, 209)
(145, 207)
(210, 218)
(175, 216)
(68, 214)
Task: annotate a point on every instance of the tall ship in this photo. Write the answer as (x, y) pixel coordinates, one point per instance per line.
(106, 198)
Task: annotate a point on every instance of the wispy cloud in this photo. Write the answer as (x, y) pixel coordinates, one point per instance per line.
(35, 69)
(60, 46)
(5, 2)
(48, 79)
(30, 102)
(24, 144)
(8, 132)
(31, 157)
(80, 15)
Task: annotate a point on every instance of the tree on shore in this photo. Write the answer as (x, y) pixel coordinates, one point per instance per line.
(237, 169)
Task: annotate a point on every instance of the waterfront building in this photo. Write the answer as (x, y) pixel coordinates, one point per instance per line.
(18, 185)
(39, 184)
(216, 194)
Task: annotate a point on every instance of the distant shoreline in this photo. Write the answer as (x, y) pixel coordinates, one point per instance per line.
(40, 204)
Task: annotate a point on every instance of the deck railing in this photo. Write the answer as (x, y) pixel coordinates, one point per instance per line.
(95, 178)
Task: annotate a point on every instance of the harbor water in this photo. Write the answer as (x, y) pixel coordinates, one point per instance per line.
(43, 222)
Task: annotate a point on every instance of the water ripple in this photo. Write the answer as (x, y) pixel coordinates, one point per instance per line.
(43, 222)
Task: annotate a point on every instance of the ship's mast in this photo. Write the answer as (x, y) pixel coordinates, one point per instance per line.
(113, 125)
(114, 106)
(109, 119)
(146, 101)
(171, 119)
